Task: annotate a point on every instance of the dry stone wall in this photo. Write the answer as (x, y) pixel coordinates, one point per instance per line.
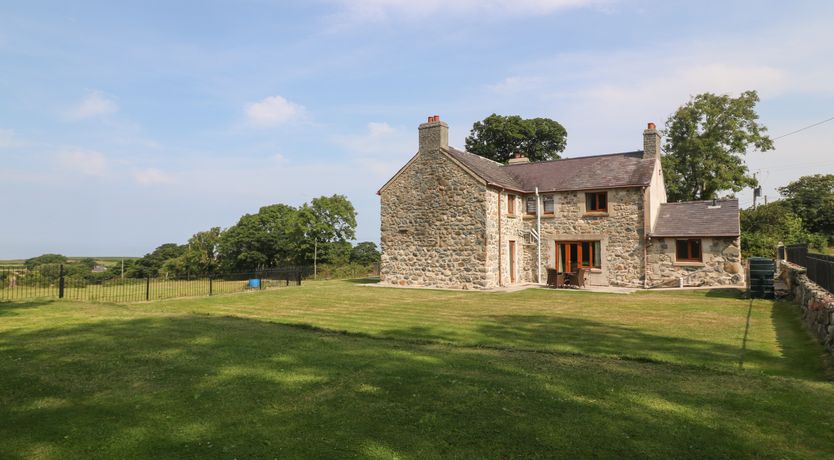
(433, 226)
(817, 304)
(721, 264)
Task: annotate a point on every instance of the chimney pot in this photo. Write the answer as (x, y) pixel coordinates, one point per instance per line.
(652, 125)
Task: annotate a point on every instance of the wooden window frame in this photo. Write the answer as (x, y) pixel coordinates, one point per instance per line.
(510, 204)
(527, 205)
(544, 207)
(579, 264)
(595, 196)
(689, 246)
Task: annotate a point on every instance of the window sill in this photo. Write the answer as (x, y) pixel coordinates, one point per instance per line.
(512, 216)
(544, 216)
(596, 214)
(689, 263)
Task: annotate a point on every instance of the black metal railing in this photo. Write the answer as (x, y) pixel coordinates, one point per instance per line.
(797, 254)
(54, 281)
(820, 267)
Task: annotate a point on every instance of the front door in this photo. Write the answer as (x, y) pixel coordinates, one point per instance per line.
(512, 261)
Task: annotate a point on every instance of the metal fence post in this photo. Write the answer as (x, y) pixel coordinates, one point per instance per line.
(210, 287)
(148, 287)
(61, 282)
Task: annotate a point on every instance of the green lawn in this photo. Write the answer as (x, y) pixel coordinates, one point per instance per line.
(333, 369)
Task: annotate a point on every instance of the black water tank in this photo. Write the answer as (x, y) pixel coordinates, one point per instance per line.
(760, 273)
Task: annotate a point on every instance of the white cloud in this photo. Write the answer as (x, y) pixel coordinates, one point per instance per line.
(279, 158)
(87, 162)
(94, 104)
(153, 176)
(273, 111)
(377, 10)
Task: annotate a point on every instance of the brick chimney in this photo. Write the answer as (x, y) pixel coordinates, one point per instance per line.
(518, 158)
(651, 142)
(434, 134)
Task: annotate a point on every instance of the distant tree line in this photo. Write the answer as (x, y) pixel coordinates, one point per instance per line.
(277, 235)
(804, 215)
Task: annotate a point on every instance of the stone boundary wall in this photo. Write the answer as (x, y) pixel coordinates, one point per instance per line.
(817, 303)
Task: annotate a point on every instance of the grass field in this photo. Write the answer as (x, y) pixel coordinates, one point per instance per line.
(333, 369)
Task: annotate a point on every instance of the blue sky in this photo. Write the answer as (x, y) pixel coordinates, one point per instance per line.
(126, 125)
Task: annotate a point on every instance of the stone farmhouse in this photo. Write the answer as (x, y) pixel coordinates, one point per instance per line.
(453, 219)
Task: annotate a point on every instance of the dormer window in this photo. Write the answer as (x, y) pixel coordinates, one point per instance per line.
(596, 201)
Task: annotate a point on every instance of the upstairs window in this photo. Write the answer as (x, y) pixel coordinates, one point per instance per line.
(531, 204)
(688, 250)
(510, 204)
(548, 204)
(596, 201)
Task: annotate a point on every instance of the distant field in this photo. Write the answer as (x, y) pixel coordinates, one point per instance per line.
(106, 261)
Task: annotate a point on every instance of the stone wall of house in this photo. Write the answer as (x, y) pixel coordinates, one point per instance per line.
(511, 229)
(433, 226)
(721, 264)
(619, 231)
(817, 304)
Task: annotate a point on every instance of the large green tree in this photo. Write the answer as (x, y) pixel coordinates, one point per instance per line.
(327, 220)
(365, 253)
(151, 263)
(268, 238)
(812, 199)
(706, 140)
(499, 137)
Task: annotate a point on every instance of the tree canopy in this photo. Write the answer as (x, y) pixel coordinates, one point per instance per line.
(765, 226)
(44, 259)
(365, 253)
(498, 137)
(812, 199)
(706, 140)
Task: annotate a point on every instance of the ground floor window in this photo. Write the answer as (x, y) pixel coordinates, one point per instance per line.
(688, 250)
(571, 255)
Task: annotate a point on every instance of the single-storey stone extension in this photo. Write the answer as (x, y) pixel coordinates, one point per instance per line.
(453, 219)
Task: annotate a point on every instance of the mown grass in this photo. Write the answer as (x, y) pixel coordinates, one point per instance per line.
(332, 369)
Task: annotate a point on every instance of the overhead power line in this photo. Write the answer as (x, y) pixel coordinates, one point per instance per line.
(803, 129)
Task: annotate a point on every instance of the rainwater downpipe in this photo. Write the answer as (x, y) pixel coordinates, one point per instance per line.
(538, 237)
(500, 279)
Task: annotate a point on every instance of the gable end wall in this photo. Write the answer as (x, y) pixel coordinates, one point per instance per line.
(433, 226)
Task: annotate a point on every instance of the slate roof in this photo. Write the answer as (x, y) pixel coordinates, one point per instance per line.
(698, 218)
(615, 170)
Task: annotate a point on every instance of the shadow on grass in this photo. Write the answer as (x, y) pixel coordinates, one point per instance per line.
(196, 387)
(725, 293)
(8, 307)
(366, 280)
(589, 337)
